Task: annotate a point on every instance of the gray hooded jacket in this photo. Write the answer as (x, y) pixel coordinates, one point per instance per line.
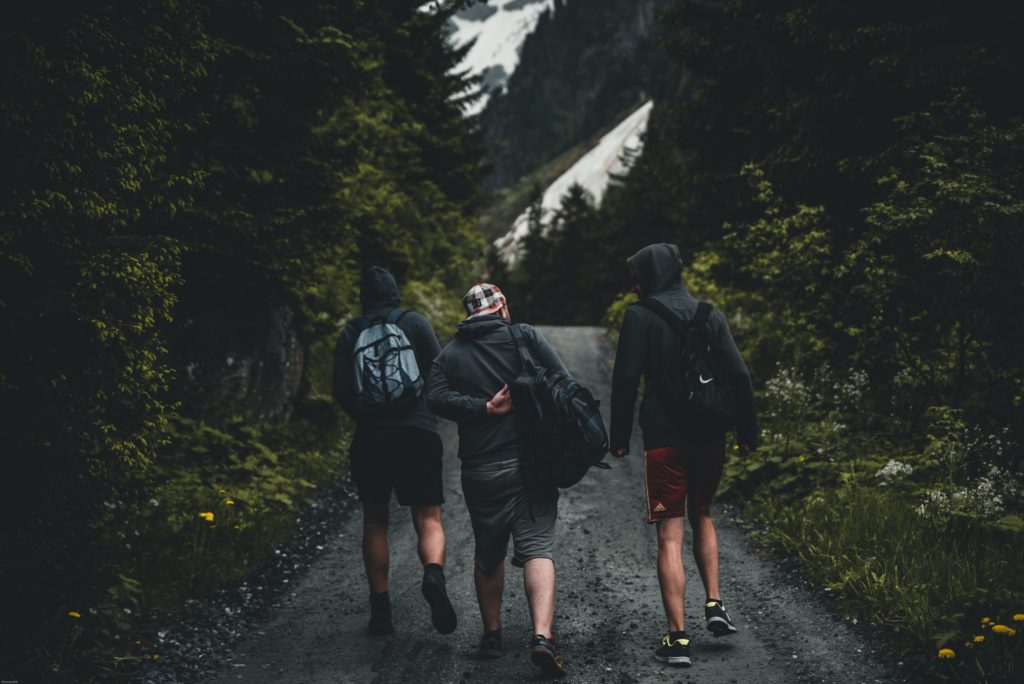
(647, 344)
(379, 295)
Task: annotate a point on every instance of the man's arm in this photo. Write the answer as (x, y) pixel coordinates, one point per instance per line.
(344, 385)
(739, 378)
(629, 367)
(448, 403)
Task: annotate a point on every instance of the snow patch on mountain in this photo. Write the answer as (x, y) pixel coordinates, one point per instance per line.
(499, 28)
(611, 156)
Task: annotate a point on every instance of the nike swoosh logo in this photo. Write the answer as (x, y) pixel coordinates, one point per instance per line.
(703, 381)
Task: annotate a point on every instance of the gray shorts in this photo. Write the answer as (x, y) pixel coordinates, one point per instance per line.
(501, 505)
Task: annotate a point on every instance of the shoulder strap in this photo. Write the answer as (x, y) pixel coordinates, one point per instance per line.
(673, 319)
(703, 313)
(523, 347)
(392, 317)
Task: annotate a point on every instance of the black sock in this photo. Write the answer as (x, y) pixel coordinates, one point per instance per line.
(672, 636)
(493, 633)
(379, 599)
(715, 600)
(431, 568)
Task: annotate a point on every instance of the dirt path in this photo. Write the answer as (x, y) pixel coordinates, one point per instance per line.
(608, 615)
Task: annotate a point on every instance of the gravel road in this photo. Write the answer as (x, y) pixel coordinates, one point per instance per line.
(608, 615)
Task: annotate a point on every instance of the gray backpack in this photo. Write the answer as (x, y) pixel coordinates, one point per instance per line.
(386, 373)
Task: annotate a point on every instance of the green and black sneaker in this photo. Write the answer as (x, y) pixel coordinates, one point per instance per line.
(674, 649)
(718, 620)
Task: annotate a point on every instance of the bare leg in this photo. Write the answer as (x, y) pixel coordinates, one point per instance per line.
(671, 575)
(705, 548)
(489, 587)
(427, 521)
(705, 474)
(375, 546)
(539, 582)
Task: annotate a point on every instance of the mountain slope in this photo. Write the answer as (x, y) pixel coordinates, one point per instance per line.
(496, 30)
(584, 64)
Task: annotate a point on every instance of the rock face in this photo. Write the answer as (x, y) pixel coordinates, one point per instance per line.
(585, 66)
(238, 344)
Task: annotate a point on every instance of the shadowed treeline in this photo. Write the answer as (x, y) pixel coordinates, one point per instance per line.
(188, 192)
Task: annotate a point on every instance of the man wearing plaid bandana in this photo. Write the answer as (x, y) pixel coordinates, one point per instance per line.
(469, 384)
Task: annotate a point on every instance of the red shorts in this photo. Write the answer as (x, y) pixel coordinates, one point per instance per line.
(670, 471)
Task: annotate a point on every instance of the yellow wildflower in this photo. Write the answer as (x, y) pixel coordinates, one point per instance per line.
(207, 516)
(156, 656)
(222, 491)
(947, 653)
(229, 502)
(985, 621)
(1019, 617)
(74, 614)
(979, 639)
(1003, 629)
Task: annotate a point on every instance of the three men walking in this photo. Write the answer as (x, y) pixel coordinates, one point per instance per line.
(396, 445)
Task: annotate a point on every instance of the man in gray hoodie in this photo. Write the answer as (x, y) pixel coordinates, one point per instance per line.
(396, 450)
(469, 384)
(682, 461)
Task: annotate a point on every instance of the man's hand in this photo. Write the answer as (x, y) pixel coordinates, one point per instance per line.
(500, 403)
(621, 452)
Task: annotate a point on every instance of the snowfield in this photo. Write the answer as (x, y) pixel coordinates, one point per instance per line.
(612, 155)
(499, 28)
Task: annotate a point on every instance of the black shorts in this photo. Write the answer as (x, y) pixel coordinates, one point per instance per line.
(406, 459)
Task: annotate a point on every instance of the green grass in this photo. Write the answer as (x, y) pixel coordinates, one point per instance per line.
(932, 579)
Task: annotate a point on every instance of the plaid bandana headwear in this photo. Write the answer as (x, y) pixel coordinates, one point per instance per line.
(483, 299)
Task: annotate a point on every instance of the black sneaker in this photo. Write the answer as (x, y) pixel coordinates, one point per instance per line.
(544, 655)
(380, 615)
(674, 651)
(718, 620)
(491, 646)
(441, 612)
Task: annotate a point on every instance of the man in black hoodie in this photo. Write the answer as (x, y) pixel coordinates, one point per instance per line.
(398, 450)
(469, 384)
(676, 460)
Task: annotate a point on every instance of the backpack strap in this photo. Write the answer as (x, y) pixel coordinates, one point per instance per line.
(395, 315)
(523, 347)
(677, 323)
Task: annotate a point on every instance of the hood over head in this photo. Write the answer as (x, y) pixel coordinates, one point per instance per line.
(658, 268)
(378, 290)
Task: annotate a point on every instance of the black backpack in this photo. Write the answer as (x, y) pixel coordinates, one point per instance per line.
(701, 383)
(561, 432)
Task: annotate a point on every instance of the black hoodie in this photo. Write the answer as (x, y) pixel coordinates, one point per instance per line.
(379, 295)
(471, 368)
(647, 344)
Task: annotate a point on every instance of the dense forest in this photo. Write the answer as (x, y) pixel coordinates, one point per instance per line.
(189, 190)
(846, 180)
